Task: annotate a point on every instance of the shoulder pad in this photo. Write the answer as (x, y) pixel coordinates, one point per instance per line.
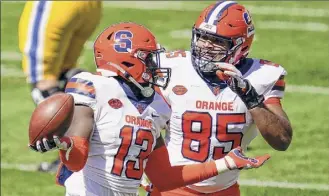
(264, 74)
(172, 59)
(82, 84)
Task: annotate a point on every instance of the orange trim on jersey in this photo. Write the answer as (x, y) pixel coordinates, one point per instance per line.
(280, 83)
(78, 155)
(81, 87)
(157, 89)
(273, 100)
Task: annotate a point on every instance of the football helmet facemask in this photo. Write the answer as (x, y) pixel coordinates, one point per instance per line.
(223, 33)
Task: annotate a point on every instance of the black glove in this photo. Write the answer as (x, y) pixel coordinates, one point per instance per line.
(239, 85)
(246, 92)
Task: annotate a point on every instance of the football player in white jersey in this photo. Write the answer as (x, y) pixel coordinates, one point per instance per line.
(218, 97)
(118, 117)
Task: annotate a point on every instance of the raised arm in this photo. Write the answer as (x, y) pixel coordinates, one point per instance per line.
(268, 115)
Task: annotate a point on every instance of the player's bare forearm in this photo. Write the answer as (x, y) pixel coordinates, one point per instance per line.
(82, 122)
(274, 125)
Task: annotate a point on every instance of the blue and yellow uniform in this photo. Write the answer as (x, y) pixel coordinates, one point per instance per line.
(52, 35)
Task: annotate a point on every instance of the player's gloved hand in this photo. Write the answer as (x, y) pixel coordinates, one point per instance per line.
(239, 85)
(235, 159)
(63, 143)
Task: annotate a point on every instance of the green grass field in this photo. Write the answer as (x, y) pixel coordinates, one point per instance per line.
(303, 52)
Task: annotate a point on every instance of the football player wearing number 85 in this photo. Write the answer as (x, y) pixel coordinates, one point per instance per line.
(119, 114)
(218, 96)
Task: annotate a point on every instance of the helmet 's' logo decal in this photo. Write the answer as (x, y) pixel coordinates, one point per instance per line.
(123, 43)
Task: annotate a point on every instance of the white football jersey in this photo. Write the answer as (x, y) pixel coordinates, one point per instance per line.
(125, 130)
(207, 122)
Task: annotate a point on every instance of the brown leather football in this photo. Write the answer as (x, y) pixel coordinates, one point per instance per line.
(52, 116)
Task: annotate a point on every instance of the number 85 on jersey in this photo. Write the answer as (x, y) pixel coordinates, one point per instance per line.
(207, 137)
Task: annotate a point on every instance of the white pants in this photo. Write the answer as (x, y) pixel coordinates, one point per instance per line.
(78, 185)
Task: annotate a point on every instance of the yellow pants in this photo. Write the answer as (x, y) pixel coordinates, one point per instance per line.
(52, 35)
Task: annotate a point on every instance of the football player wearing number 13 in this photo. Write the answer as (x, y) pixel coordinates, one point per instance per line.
(118, 117)
(218, 96)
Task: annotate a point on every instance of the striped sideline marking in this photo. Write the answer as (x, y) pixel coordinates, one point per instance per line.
(242, 182)
(21, 167)
(193, 6)
(286, 25)
(11, 56)
(307, 89)
(292, 185)
(7, 70)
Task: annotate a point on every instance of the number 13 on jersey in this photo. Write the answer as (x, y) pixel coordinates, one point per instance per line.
(134, 167)
(204, 133)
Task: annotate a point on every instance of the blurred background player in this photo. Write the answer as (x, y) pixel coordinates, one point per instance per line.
(51, 38)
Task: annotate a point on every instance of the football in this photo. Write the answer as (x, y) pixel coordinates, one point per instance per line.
(52, 116)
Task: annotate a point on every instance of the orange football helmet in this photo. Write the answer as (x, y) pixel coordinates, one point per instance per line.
(131, 51)
(223, 23)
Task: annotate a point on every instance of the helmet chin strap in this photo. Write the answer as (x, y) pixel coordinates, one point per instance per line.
(146, 91)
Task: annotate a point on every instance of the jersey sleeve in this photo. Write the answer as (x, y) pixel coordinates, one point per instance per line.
(278, 88)
(82, 88)
(268, 79)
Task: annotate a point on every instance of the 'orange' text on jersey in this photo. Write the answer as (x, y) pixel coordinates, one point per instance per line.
(138, 121)
(211, 105)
